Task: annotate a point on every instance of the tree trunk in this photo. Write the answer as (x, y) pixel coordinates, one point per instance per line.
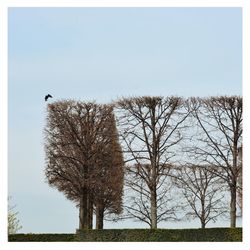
(233, 188)
(153, 165)
(233, 206)
(83, 213)
(90, 211)
(99, 217)
(203, 213)
(153, 209)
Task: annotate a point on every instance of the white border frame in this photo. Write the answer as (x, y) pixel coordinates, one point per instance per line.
(5, 4)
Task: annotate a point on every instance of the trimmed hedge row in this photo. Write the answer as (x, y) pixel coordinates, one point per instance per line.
(209, 234)
(139, 235)
(42, 237)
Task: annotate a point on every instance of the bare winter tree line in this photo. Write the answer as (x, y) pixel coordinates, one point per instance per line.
(147, 158)
(84, 158)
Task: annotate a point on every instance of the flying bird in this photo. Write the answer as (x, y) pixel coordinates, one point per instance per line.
(47, 97)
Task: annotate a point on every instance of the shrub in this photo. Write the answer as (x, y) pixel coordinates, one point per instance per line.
(139, 235)
(42, 237)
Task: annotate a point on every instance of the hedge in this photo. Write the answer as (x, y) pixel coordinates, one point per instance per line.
(139, 235)
(42, 237)
(209, 234)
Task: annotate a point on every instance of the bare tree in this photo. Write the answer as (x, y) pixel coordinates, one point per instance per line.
(108, 179)
(239, 186)
(150, 130)
(138, 202)
(13, 222)
(219, 136)
(203, 190)
(76, 136)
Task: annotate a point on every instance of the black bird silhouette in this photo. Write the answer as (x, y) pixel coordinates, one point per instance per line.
(47, 97)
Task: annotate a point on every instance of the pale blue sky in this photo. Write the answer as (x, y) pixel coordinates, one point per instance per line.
(101, 54)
